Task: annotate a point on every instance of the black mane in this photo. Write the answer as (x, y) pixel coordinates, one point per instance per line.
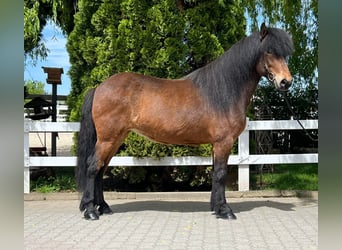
(222, 80)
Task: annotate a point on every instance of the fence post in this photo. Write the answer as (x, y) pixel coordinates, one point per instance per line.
(26, 156)
(243, 151)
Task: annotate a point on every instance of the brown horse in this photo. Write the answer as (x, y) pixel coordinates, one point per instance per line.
(207, 106)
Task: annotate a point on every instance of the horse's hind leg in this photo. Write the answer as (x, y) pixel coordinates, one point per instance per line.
(107, 150)
(103, 207)
(87, 201)
(93, 195)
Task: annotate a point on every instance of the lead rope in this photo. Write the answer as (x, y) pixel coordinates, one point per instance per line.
(294, 117)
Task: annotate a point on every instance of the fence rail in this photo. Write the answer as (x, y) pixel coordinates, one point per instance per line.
(61, 117)
(243, 159)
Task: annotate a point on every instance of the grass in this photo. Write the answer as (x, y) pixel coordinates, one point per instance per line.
(288, 177)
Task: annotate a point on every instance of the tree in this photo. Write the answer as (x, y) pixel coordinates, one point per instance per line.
(161, 38)
(36, 14)
(35, 87)
(300, 18)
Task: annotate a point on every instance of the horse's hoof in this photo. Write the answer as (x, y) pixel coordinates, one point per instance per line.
(91, 215)
(231, 216)
(105, 210)
(227, 216)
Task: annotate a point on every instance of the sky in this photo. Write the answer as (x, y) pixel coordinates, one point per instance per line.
(57, 57)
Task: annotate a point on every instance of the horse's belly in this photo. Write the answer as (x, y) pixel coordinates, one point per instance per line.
(171, 130)
(164, 137)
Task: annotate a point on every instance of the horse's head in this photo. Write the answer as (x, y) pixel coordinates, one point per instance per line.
(272, 63)
(276, 71)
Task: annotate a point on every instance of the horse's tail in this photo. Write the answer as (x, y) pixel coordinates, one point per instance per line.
(86, 141)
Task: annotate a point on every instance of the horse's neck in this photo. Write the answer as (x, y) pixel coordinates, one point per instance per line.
(249, 90)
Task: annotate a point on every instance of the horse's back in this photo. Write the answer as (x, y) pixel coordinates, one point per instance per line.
(141, 92)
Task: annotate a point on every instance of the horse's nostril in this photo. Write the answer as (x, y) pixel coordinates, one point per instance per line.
(285, 83)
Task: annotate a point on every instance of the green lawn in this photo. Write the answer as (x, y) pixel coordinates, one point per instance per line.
(288, 177)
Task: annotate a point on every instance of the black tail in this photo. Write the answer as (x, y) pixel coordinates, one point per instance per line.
(86, 141)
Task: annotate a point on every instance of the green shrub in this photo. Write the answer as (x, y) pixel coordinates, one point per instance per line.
(138, 146)
(63, 181)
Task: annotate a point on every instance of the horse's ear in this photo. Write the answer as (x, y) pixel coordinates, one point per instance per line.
(263, 31)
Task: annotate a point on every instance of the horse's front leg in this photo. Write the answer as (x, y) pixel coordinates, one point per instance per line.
(218, 200)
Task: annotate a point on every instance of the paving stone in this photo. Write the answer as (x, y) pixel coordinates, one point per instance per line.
(262, 223)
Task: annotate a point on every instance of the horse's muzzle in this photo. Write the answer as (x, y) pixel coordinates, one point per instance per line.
(285, 85)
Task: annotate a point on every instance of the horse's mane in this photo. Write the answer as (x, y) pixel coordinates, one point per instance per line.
(222, 80)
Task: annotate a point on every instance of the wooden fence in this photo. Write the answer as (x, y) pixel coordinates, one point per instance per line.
(243, 159)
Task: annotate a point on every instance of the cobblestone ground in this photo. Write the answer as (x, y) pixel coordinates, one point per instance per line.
(273, 223)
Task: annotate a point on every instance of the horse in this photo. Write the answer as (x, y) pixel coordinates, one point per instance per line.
(207, 106)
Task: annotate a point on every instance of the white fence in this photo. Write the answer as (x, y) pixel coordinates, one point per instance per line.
(243, 159)
(61, 116)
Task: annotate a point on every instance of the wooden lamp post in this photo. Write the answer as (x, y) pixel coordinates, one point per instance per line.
(54, 78)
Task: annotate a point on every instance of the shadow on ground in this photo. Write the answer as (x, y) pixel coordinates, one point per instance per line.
(198, 206)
